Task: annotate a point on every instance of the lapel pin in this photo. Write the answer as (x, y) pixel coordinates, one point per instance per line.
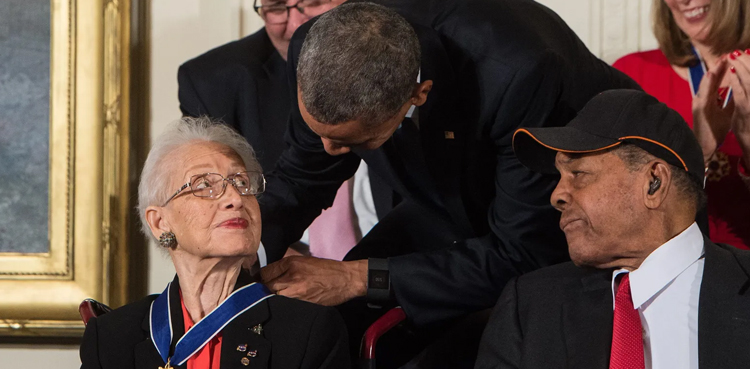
(449, 135)
(252, 353)
(242, 347)
(245, 361)
(258, 329)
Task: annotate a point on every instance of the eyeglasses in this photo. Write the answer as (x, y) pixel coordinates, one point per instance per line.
(278, 12)
(213, 185)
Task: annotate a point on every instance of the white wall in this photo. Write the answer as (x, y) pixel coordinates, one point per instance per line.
(609, 28)
(183, 29)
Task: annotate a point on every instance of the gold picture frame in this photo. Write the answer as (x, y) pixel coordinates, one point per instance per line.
(89, 177)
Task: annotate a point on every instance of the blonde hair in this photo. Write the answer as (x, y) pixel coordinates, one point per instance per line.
(730, 30)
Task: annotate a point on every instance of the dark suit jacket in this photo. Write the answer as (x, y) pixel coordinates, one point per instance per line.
(244, 84)
(561, 317)
(497, 65)
(295, 334)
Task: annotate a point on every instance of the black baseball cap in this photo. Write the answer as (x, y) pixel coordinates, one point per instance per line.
(609, 119)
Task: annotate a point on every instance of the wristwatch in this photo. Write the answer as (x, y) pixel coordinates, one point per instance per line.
(378, 281)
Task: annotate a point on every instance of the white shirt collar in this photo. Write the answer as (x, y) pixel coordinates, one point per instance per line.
(412, 108)
(663, 265)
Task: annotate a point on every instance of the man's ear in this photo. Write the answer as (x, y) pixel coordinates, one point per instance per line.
(419, 95)
(156, 221)
(657, 184)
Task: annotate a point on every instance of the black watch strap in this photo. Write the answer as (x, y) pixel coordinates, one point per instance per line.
(378, 281)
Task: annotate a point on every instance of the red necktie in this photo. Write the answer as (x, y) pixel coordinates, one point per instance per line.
(332, 233)
(627, 332)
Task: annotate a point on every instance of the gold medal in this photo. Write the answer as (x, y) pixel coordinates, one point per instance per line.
(166, 366)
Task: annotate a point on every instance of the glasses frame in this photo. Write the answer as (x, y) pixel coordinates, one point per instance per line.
(288, 9)
(224, 180)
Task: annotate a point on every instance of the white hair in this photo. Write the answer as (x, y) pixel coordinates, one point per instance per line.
(153, 188)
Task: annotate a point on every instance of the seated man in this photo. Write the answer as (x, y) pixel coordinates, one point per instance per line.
(631, 182)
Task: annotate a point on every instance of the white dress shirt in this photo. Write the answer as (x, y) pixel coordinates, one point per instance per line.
(665, 290)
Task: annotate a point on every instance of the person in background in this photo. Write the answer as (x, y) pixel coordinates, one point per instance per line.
(244, 84)
(702, 56)
(645, 288)
(197, 197)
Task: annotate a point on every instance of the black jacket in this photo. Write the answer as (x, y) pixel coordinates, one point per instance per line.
(497, 65)
(244, 84)
(295, 334)
(561, 317)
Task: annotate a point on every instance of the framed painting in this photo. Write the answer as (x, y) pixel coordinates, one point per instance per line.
(64, 147)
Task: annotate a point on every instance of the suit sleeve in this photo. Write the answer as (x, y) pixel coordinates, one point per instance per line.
(328, 345)
(502, 339)
(89, 351)
(305, 179)
(190, 102)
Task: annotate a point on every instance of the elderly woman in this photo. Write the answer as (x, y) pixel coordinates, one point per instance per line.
(703, 52)
(197, 196)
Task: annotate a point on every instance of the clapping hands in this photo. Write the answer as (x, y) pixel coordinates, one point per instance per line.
(711, 121)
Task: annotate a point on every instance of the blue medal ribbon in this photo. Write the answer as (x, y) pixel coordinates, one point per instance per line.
(697, 72)
(202, 332)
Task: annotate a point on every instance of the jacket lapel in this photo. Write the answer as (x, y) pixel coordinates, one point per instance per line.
(724, 309)
(243, 338)
(587, 323)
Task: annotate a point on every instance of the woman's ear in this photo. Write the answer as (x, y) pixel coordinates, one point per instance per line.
(657, 184)
(156, 220)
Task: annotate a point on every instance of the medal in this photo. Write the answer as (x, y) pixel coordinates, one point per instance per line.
(166, 366)
(202, 332)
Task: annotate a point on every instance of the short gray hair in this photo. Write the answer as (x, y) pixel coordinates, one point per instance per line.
(153, 188)
(359, 61)
(635, 158)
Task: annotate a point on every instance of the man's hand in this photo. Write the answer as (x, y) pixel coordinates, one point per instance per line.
(321, 281)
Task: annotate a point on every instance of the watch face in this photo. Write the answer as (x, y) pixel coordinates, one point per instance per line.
(378, 279)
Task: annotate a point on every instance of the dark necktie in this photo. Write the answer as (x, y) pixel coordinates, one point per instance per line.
(627, 332)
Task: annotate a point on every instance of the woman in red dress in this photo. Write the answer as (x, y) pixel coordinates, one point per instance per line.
(708, 38)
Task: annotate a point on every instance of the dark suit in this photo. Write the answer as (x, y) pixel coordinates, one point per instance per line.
(473, 216)
(244, 84)
(295, 334)
(561, 317)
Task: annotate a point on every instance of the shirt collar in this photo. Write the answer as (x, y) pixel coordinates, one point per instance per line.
(410, 113)
(663, 265)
